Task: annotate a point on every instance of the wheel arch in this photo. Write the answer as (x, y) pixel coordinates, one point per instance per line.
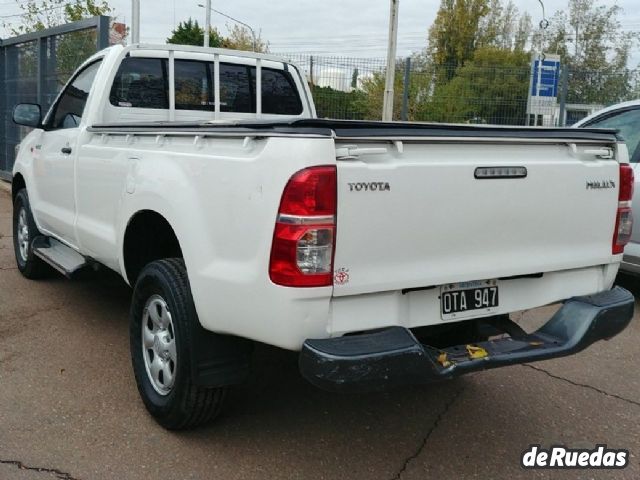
(148, 236)
(17, 184)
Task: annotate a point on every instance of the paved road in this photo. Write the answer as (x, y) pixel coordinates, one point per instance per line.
(69, 407)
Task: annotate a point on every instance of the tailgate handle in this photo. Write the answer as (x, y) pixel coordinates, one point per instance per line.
(606, 153)
(352, 152)
(603, 153)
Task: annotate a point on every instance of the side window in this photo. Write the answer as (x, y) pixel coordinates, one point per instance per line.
(68, 111)
(279, 93)
(628, 122)
(236, 88)
(140, 83)
(194, 88)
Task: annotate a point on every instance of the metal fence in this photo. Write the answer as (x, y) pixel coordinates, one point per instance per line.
(35, 66)
(353, 88)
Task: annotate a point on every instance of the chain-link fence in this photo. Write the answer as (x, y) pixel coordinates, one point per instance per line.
(35, 66)
(353, 88)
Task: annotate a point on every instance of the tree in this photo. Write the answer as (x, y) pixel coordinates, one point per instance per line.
(523, 32)
(503, 27)
(241, 38)
(591, 43)
(190, 33)
(70, 49)
(454, 34)
(333, 103)
(492, 88)
(41, 14)
(354, 78)
(369, 102)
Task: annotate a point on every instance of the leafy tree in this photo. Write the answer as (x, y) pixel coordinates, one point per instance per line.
(190, 33)
(70, 49)
(523, 32)
(590, 41)
(41, 14)
(354, 78)
(503, 27)
(454, 35)
(420, 85)
(492, 88)
(372, 98)
(332, 103)
(241, 38)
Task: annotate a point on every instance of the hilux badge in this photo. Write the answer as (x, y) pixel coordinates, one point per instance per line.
(600, 184)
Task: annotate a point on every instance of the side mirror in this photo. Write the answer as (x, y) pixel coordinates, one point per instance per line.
(27, 114)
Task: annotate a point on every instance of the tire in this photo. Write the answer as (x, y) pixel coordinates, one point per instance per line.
(162, 365)
(24, 232)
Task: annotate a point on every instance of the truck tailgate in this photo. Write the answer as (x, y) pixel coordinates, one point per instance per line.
(415, 214)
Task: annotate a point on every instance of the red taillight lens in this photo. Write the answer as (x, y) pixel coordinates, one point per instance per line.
(304, 237)
(626, 183)
(624, 217)
(310, 192)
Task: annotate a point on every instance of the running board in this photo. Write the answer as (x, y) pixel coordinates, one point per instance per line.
(61, 257)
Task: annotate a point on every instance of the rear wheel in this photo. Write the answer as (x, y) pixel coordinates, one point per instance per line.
(24, 232)
(162, 314)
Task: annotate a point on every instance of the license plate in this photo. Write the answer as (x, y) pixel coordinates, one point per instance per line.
(468, 299)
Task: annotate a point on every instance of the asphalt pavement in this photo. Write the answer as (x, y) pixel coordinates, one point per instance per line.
(69, 408)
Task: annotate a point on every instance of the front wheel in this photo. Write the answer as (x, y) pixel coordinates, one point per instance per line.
(162, 313)
(24, 232)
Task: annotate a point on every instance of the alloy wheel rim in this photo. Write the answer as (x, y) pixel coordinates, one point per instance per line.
(159, 345)
(23, 234)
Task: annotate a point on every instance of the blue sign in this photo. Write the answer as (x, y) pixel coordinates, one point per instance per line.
(548, 79)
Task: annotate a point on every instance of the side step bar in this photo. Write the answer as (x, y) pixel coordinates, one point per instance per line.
(393, 357)
(61, 257)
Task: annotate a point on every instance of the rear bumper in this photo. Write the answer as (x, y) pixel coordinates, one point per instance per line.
(393, 357)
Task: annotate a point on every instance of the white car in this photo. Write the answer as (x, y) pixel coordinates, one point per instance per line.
(624, 117)
(385, 253)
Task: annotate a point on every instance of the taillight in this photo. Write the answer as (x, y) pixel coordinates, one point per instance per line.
(304, 237)
(624, 218)
(626, 183)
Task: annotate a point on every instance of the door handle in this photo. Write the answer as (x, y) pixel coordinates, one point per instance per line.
(66, 150)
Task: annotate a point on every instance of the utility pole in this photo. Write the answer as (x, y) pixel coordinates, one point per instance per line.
(246, 25)
(135, 21)
(387, 108)
(207, 24)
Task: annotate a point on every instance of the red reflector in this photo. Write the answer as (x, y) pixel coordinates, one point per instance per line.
(626, 182)
(304, 236)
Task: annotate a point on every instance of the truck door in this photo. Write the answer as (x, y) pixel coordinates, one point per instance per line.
(54, 166)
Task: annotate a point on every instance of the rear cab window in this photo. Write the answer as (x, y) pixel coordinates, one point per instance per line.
(144, 83)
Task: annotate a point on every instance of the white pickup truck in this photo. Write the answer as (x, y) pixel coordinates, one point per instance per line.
(386, 253)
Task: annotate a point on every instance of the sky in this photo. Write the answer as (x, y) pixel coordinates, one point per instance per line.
(329, 27)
